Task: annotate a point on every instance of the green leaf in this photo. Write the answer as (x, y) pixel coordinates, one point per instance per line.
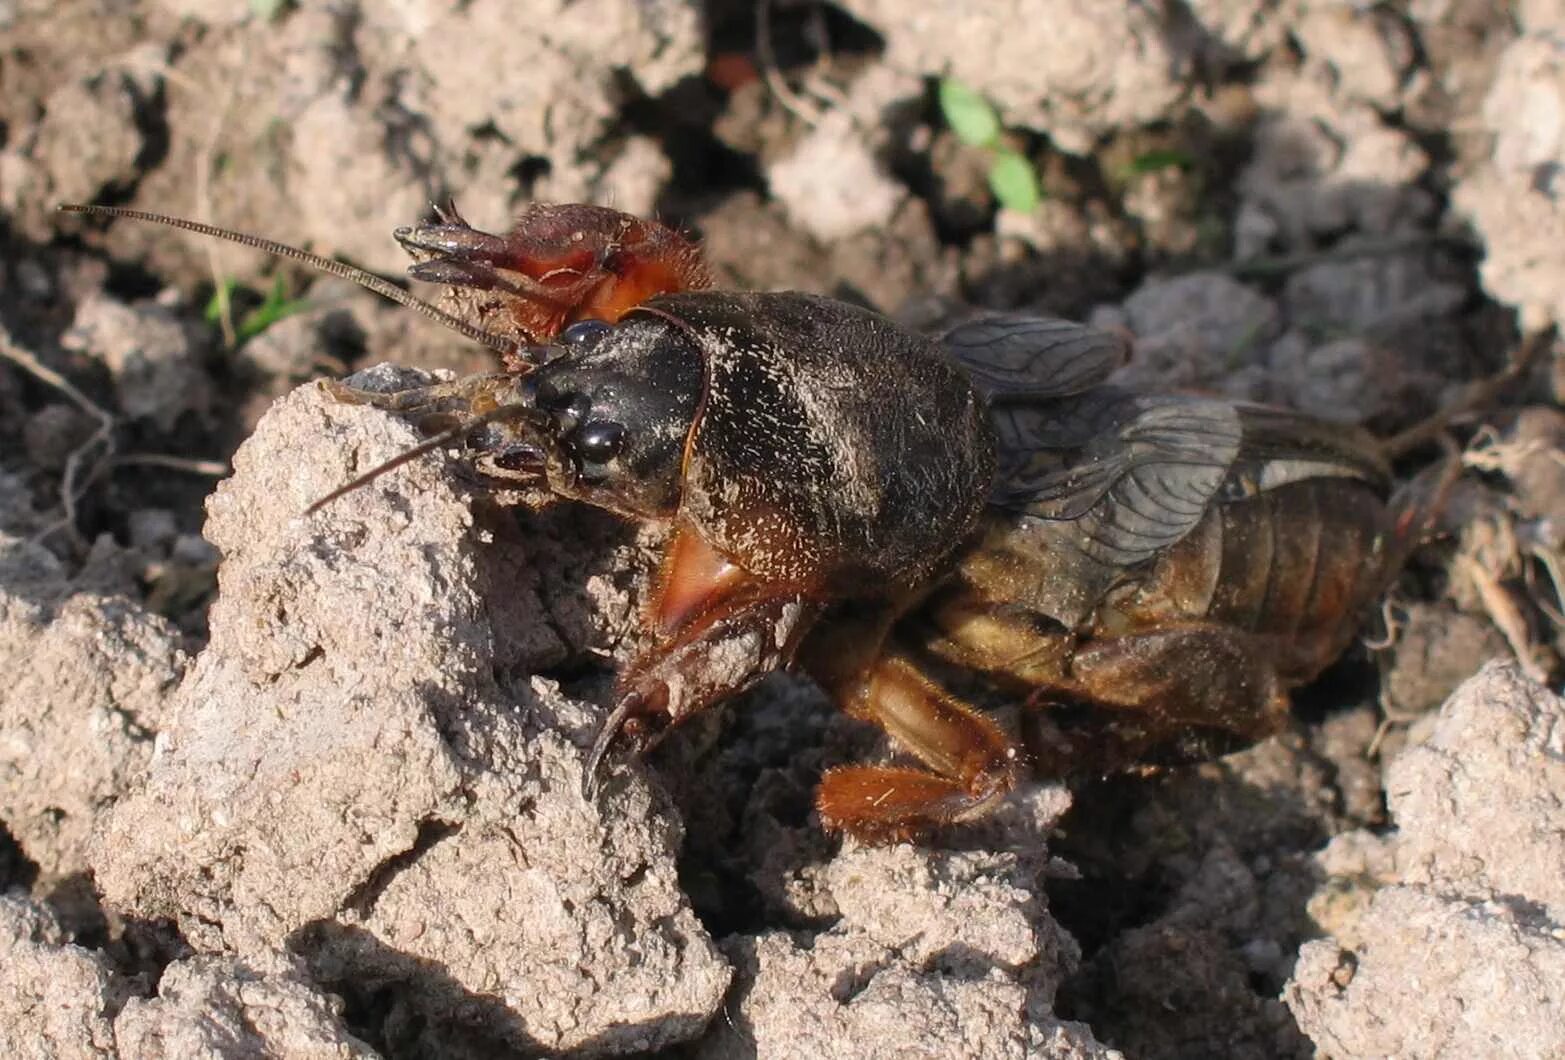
(267, 10)
(1014, 182)
(276, 306)
(222, 295)
(1165, 158)
(969, 114)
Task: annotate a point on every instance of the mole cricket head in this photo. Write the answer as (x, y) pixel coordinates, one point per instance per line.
(603, 418)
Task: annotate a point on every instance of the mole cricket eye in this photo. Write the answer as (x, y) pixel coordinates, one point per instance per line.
(584, 334)
(570, 407)
(599, 441)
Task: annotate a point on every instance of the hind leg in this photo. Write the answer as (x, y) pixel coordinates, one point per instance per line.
(968, 762)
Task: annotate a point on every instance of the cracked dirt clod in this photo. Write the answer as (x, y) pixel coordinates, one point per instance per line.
(87, 677)
(793, 1008)
(1323, 164)
(86, 139)
(153, 357)
(1467, 943)
(832, 184)
(230, 1009)
(54, 997)
(1480, 805)
(1513, 197)
(1437, 648)
(417, 100)
(59, 1001)
(341, 775)
(934, 954)
(1434, 964)
(1058, 67)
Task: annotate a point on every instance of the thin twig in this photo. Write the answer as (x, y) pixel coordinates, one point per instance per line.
(816, 81)
(1506, 615)
(70, 489)
(792, 102)
(1475, 397)
(191, 465)
(1392, 627)
(24, 358)
(1372, 752)
(1265, 266)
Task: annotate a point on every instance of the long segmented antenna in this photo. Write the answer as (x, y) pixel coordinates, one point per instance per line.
(336, 268)
(439, 441)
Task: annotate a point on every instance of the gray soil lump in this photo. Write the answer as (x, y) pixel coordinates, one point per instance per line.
(1462, 953)
(60, 1001)
(53, 996)
(340, 774)
(87, 679)
(934, 955)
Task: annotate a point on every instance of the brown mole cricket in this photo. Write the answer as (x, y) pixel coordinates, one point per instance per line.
(898, 515)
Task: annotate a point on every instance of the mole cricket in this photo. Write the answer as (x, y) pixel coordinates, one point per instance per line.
(900, 515)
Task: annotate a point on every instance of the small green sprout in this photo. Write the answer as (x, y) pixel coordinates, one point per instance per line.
(1157, 160)
(221, 298)
(1014, 182)
(969, 114)
(274, 307)
(1012, 177)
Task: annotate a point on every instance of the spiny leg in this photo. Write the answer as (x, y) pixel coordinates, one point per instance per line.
(718, 629)
(743, 638)
(971, 763)
(739, 641)
(558, 264)
(462, 396)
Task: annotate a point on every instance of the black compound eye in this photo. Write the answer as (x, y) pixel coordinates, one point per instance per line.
(584, 333)
(600, 441)
(570, 406)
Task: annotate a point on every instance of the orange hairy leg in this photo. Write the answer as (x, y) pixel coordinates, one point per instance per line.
(969, 762)
(717, 629)
(703, 601)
